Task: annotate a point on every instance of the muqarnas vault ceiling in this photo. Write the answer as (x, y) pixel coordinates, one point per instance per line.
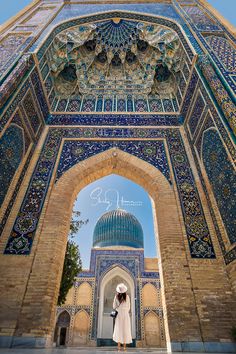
(116, 65)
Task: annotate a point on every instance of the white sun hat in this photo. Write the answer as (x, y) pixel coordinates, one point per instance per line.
(121, 288)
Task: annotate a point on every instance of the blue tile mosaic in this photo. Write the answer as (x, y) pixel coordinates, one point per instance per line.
(11, 154)
(32, 114)
(114, 119)
(222, 176)
(98, 17)
(224, 50)
(70, 12)
(208, 29)
(202, 21)
(213, 120)
(190, 93)
(196, 113)
(152, 152)
(21, 238)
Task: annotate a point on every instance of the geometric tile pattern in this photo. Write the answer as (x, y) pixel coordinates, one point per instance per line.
(152, 152)
(196, 113)
(221, 95)
(8, 46)
(114, 119)
(222, 177)
(211, 28)
(200, 19)
(212, 119)
(14, 79)
(189, 94)
(113, 104)
(225, 52)
(40, 16)
(11, 153)
(22, 235)
(208, 123)
(32, 115)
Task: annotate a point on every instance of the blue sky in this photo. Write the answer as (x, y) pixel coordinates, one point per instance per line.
(9, 8)
(106, 194)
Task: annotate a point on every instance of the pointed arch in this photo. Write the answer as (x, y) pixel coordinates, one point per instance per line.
(152, 329)
(114, 272)
(81, 328)
(12, 150)
(84, 294)
(63, 319)
(52, 240)
(149, 295)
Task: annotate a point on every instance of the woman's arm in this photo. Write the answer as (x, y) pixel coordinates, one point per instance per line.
(128, 302)
(115, 303)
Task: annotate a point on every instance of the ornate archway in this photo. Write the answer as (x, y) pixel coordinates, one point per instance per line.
(53, 237)
(119, 275)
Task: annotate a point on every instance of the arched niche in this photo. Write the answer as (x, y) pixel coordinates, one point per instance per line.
(61, 333)
(222, 175)
(11, 154)
(81, 328)
(84, 294)
(152, 330)
(107, 292)
(149, 296)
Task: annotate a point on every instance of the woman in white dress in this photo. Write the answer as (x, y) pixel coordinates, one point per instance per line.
(122, 329)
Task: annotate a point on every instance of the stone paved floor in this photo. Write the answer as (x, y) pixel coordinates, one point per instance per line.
(80, 351)
(83, 351)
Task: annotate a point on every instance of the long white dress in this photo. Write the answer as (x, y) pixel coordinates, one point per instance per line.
(122, 330)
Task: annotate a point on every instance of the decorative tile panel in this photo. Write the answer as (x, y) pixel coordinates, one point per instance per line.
(11, 154)
(224, 50)
(22, 235)
(202, 21)
(38, 17)
(189, 94)
(8, 46)
(196, 113)
(31, 113)
(222, 176)
(114, 119)
(76, 151)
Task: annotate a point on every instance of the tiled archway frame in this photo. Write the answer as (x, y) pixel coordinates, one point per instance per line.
(50, 249)
(78, 144)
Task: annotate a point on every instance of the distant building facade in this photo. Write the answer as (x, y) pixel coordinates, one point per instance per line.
(117, 256)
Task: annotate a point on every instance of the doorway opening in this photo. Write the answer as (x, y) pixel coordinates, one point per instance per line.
(118, 245)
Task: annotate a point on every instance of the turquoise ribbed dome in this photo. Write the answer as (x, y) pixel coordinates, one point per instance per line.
(118, 228)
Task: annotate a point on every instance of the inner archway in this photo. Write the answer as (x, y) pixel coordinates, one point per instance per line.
(107, 290)
(53, 238)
